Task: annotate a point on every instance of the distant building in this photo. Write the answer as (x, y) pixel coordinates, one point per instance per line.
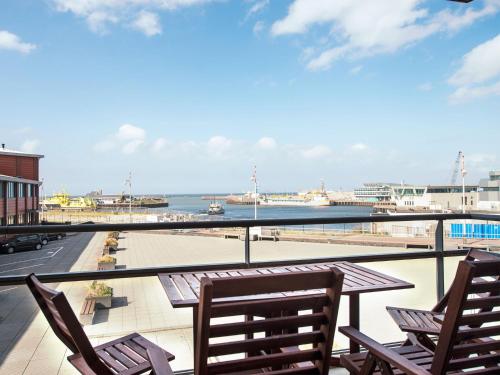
(489, 192)
(433, 197)
(450, 197)
(374, 192)
(19, 187)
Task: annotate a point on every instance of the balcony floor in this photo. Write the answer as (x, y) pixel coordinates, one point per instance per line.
(28, 346)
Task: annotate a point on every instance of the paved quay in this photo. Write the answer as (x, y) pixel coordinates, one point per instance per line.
(140, 304)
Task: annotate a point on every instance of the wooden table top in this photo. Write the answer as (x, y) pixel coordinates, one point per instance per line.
(183, 289)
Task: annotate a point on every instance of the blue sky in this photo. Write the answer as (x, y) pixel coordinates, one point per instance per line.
(190, 94)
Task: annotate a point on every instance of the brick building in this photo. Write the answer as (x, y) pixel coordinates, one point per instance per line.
(19, 187)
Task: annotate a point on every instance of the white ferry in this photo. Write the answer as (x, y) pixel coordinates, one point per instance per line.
(309, 199)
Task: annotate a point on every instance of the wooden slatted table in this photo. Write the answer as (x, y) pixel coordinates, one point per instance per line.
(183, 289)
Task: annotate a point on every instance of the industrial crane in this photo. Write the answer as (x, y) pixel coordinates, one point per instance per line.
(456, 167)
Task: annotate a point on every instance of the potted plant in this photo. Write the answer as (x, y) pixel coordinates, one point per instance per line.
(111, 243)
(114, 235)
(106, 263)
(105, 250)
(101, 293)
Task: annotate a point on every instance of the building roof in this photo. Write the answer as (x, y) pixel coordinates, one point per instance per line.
(6, 151)
(18, 179)
(452, 186)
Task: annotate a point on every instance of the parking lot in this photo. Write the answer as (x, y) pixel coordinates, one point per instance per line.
(17, 306)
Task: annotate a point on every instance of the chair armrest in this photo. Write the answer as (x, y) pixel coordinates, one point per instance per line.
(380, 351)
(159, 361)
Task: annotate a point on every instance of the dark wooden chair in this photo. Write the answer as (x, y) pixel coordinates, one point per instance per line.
(128, 355)
(420, 324)
(244, 327)
(469, 339)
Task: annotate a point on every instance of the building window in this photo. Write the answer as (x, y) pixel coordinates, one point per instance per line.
(29, 190)
(20, 190)
(1, 190)
(11, 190)
(11, 219)
(20, 219)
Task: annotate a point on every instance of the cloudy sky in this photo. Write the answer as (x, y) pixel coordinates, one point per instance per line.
(190, 94)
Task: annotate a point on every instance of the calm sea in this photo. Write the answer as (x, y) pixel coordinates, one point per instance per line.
(195, 205)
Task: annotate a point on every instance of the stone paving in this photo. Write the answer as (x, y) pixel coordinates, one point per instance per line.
(140, 304)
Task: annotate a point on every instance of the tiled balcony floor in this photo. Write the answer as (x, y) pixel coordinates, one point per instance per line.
(27, 346)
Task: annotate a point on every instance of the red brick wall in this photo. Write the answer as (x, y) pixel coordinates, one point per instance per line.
(19, 166)
(8, 165)
(11, 206)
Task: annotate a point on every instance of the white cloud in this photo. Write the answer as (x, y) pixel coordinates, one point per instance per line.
(359, 147)
(479, 72)
(356, 70)
(358, 29)
(258, 27)
(30, 145)
(159, 144)
(132, 146)
(257, 7)
(148, 23)
(12, 42)
(219, 145)
(98, 21)
(129, 138)
(480, 64)
(426, 86)
(100, 13)
(266, 143)
(316, 152)
(130, 132)
(465, 94)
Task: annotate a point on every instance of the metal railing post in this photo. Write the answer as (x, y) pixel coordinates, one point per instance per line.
(247, 246)
(439, 248)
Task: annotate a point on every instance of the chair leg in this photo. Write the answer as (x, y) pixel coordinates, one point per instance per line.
(369, 365)
(384, 367)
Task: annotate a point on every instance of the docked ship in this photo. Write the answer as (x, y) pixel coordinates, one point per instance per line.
(309, 199)
(245, 199)
(63, 201)
(125, 200)
(315, 198)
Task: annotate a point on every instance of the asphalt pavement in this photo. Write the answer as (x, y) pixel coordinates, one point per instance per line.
(17, 306)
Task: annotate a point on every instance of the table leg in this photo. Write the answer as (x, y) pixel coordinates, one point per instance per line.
(354, 319)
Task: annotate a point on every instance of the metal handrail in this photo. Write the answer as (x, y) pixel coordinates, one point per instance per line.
(438, 253)
(154, 271)
(247, 223)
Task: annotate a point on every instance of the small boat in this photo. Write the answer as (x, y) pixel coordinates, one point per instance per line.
(215, 209)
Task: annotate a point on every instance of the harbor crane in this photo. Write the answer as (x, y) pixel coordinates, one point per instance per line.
(456, 167)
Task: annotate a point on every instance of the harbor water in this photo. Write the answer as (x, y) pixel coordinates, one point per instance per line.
(194, 204)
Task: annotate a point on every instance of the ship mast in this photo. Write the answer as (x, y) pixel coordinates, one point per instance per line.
(128, 182)
(254, 180)
(463, 172)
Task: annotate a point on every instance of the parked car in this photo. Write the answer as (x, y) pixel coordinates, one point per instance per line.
(21, 242)
(54, 236)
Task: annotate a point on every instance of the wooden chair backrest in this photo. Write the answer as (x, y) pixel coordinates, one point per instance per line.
(473, 255)
(275, 318)
(64, 323)
(469, 337)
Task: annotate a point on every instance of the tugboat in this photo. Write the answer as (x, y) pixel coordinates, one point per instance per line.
(215, 209)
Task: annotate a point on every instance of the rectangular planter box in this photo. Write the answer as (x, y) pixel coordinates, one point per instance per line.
(102, 302)
(105, 266)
